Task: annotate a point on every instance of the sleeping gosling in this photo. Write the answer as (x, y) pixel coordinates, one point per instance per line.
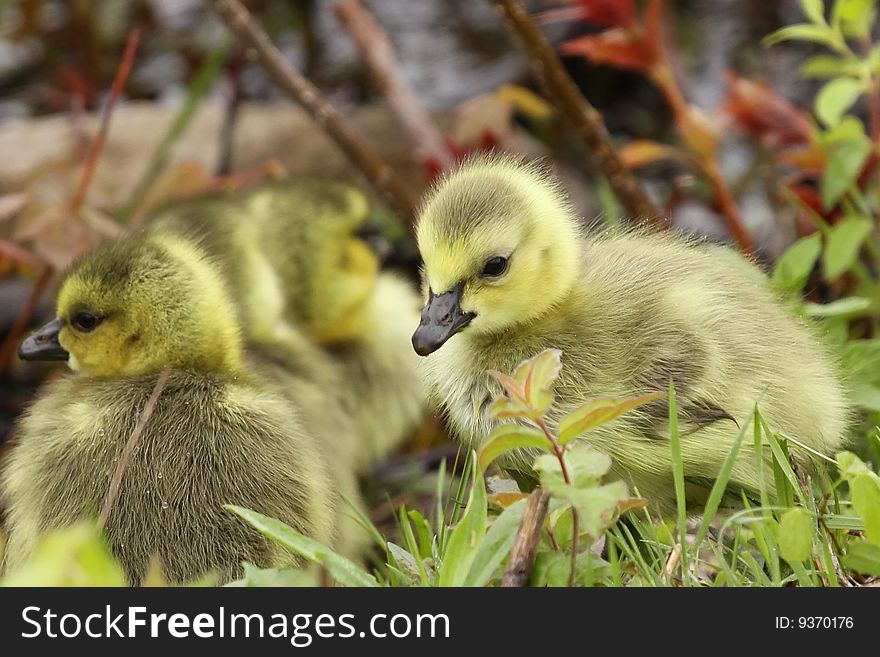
(299, 260)
(218, 434)
(509, 271)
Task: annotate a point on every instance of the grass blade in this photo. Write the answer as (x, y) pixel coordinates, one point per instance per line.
(341, 569)
(678, 479)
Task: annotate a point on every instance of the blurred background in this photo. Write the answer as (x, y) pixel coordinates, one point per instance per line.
(726, 130)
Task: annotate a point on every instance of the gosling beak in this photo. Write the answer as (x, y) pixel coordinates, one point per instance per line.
(43, 344)
(377, 242)
(441, 319)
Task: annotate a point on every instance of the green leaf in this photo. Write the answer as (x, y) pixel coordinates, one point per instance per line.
(863, 557)
(850, 129)
(407, 563)
(839, 308)
(412, 548)
(719, 488)
(794, 266)
(596, 506)
(873, 61)
(538, 384)
(827, 66)
(586, 466)
(677, 470)
(845, 239)
(845, 162)
(786, 480)
(836, 97)
(865, 492)
(802, 32)
(539, 373)
(549, 471)
(72, 556)
(861, 360)
(853, 10)
(529, 392)
(496, 546)
(796, 531)
(850, 465)
(597, 412)
(423, 532)
(505, 408)
(814, 10)
(508, 437)
(866, 396)
(855, 17)
(269, 577)
(467, 536)
(340, 569)
(553, 568)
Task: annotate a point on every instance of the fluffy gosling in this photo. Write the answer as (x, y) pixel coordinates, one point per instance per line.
(509, 271)
(219, 433)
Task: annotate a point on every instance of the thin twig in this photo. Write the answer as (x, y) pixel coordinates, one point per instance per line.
(299, 89)
(130, 446)
(522, 556)
(586, 120)
(378, 53)
(97, 144)
(559, 452)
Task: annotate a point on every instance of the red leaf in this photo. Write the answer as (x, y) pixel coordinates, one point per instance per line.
(615, 47)
(641, 152)
(759, 110)
(697, 131)
(607, 13)
(809, 159)
(808, 195)
(488, 141)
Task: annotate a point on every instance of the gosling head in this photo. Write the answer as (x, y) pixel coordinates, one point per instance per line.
(137, 306)
(500, 246)
(334, 259)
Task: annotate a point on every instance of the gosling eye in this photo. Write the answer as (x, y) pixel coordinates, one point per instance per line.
(495, 267)
(85, 321)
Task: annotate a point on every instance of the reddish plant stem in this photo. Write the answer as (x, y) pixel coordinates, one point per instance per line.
(706, 159)
(552, 537)
(559, 452)
(97, 144)
(727, 206)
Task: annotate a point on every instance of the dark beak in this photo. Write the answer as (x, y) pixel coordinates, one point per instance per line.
(441, 319)
(376, 241)
(44, 345)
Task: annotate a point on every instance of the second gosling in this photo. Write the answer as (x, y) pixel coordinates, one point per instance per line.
(510, 271)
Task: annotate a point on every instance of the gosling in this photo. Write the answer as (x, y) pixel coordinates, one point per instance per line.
(218, 433)
(299, 259)
(509, 271)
